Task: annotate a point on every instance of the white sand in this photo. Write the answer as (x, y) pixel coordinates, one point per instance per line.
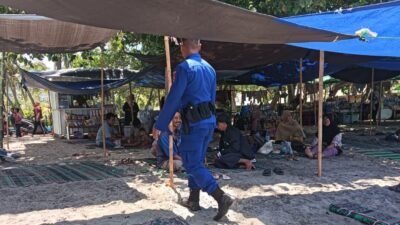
(298, 197)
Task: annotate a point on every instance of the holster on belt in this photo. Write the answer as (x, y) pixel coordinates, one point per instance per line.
(196, 113)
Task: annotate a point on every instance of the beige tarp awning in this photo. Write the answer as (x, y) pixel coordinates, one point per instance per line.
(37, 34)
(206, 19)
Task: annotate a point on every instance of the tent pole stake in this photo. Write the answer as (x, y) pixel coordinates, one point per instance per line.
(301, 92)
(168, 84)
(102, 108)
(321, 96)
(371, 104)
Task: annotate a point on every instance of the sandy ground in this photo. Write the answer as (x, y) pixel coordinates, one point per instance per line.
(298, 197)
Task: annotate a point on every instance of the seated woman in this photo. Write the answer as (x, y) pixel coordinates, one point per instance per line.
(234, 150)
(331, 140)
(289, 130)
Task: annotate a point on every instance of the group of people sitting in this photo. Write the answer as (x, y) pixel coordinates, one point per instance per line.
(234, 149)
(290, 131)
(113, 138)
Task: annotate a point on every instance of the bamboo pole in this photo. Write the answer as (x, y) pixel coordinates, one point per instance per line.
(1, 100)
(379, 121)
(321, 88)
(168, 84)
(51, 112)
(301, 92)
(371, 100)
(315, 105)
(102, 110)
(131, 103)
(7, 113)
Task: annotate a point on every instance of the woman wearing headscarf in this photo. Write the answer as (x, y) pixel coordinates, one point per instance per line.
(288, 129)
(291, 131)
(331, 140)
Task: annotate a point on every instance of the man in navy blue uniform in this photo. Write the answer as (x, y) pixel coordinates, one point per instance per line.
(193, 93)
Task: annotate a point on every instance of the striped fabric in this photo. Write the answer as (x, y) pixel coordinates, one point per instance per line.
(56, 173)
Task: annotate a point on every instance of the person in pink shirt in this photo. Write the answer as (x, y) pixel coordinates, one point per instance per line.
(18, 121)
(38, 118)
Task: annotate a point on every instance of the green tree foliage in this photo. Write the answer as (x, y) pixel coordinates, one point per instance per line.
(281, 8)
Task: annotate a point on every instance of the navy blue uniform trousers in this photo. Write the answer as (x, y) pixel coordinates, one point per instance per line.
(193, 151)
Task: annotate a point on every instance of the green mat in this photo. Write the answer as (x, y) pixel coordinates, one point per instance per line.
(375, 151)
(363, 215)
(56, 173)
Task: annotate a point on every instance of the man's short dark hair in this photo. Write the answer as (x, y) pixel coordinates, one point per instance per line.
(189, 40)
(110, 115)
(223, 119)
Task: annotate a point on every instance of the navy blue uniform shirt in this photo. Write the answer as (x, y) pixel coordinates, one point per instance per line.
(195, 83)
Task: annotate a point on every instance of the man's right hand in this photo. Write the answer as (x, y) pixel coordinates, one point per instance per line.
(156, 133)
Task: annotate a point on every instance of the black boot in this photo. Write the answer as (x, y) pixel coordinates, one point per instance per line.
(224, 203)
(193, 202)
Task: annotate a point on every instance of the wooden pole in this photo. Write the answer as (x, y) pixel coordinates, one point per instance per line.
(315, 105)
(371, 100)
(131, 103)
(321, 88)
(301, 92)
(7, 113)
(380, 104)
(168, 84)
(102, 109)
(1, 99)
(51, 112)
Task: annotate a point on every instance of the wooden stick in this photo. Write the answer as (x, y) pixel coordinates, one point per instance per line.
(2, 99)
(6, 105)
(371, 103)
(301, 92)
(379, 121)
(102, 111)
(168, 84)
(315, 105)
(321, 88)
(51, 113)
(131, 106)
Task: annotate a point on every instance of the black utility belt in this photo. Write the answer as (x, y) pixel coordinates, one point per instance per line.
(199, 112)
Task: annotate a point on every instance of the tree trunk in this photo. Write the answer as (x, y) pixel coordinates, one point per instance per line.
(275, 99)
(30, 96)
(290, 89)
(14, 92)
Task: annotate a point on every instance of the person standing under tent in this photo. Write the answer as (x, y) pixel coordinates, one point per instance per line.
(131, 108)
(193, 93)
(375, 103)
(37, 110)
(17, 122)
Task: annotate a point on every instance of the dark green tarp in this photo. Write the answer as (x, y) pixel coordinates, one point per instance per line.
(205, 19)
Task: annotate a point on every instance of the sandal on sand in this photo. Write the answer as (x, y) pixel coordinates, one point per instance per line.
(267, 172)
(278, 171)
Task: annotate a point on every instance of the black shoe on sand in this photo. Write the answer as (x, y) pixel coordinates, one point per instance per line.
(193, 202)
(224, 203)
(192, 206)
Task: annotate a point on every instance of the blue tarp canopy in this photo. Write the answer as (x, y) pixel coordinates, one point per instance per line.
(289, 73)
(380, 18)
(72, 81)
